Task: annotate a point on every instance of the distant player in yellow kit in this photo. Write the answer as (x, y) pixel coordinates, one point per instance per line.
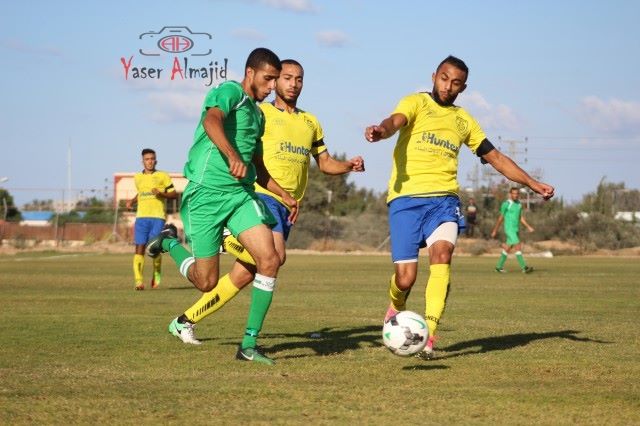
(153, 188)
(424, 208)
(291, 137)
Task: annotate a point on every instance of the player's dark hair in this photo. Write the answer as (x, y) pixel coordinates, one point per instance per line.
(291, 62)
(456, 62)
(514, 188)
(261, 56)
(148, 151)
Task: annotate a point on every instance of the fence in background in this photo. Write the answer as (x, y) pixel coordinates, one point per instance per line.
(26, 236)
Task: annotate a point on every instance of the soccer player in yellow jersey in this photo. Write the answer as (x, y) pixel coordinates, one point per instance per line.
(424, 208)
(153, 187)
(291, 137)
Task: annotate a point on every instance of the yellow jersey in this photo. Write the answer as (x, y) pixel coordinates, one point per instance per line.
(148, 204)
(425, 158)
(289, 141)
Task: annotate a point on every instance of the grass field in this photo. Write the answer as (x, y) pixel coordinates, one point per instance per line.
(559, 346)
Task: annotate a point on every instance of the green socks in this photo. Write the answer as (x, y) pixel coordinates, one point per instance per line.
(261, 296)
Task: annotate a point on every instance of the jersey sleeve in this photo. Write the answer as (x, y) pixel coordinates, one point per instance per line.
(408, 106)
(167, 184)
(226, 97)
(503, 208)
(318, 146)
(476, 135)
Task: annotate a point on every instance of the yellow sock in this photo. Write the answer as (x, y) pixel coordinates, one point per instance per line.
(157, 269)
(212, 300)
(398, 297)
(235, 248)
(138, 267)
(436, 295)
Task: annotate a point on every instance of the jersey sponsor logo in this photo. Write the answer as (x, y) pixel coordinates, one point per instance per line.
(432, 139)
(287, 146)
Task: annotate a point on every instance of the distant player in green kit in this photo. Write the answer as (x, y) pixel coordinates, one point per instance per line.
(511, 215)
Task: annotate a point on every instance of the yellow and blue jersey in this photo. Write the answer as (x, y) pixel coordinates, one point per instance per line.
(289, 141)
(148, 204)
(425, 158)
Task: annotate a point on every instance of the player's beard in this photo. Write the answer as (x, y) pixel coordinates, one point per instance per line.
(289, 100)
(436, 97)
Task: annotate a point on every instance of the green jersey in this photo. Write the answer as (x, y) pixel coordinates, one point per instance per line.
(511, 211)
(243, 126)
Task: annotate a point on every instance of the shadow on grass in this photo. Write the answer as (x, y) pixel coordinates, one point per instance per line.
(425, 367)
(184, 287)
(509, 341)
(326, 341)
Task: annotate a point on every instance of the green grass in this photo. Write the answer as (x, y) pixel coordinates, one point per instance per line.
(559, 346)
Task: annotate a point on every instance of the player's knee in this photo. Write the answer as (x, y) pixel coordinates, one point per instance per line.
(203, 282)
(268, 263)
(207, 285)
(405, 279)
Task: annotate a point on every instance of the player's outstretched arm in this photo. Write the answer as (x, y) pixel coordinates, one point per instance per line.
(330, 166)
(526, 224)
(387, 128)
(213, 125)
(509, 169)
(494, 231)
(132, 201)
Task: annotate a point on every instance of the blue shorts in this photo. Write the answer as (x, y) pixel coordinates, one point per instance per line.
(278, 211)
(413, 219)
(146, 228)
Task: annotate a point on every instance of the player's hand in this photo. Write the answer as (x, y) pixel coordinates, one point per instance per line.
(357, 164)
(547, 191)
(129, 205)
(493, 234)
(531, 229)
(293, 207)
(374, 133)
(237, 168)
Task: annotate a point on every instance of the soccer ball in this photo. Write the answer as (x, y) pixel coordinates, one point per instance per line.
(405, 333)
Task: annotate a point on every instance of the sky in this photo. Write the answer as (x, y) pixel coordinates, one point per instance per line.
(554, 84)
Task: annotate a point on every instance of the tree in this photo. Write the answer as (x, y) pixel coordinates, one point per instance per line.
(8, 211)
(39, 205)
(91, 210)
(610, 198)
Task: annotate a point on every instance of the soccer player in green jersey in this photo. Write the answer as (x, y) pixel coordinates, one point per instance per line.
(223, 163)
(291, 137)
(511, 215)
(424, 208)
(153, 188)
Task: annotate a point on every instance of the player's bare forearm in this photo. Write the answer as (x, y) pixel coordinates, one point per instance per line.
(494, 231)
(387, 128)
(171, 195)
(330, 166)
(509, 169)
(132, 201)
(264, 179)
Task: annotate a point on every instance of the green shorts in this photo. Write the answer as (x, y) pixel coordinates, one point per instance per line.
(205, 212)
(512, 237)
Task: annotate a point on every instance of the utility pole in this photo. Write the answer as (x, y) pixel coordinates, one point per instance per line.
(68, 207)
